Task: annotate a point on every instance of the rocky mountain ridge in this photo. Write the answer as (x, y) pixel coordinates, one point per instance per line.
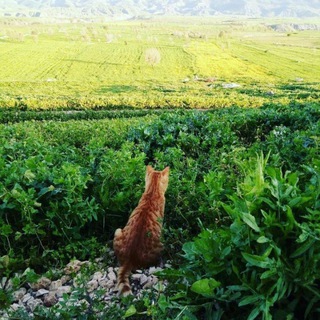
(128, 9)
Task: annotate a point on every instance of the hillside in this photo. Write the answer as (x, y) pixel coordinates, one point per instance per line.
(126, 9)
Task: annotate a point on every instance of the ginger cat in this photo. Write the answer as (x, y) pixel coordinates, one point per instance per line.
(138, 244)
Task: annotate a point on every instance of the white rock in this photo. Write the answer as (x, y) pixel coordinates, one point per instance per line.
(97, 276)
(26, 298)
(92, 285)
(112, 276)
(230, 85)
(136, 277)
(143, 279)
(152, 280)
(15, 307)
(110, 269)
(105, 283)
(65, 279)
(42, 283)
(73, 267)
(41, 292)
(33, 303)
(5, 283)
(19, 294)
(55, 285)
(153, 270)
(62, 290)
(83, 303)
(50, 299)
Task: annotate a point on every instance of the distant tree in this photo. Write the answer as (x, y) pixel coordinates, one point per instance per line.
(20, 37)
(35, 36)
(152, 56)
(222, 34)
(109, 37)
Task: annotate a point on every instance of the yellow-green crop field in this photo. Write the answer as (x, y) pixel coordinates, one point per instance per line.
(103, 65)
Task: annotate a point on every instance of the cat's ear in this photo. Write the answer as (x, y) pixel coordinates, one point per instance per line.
(149, 169)
(165, 171)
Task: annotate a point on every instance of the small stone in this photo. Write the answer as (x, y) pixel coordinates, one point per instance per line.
(73, 267)
(65, 279)
(42, 283)
(26, 298)
(92, 285)
(50, 299)
(143, 279)
(19, 294)
(138, 271)
(110, 269)
(105, 283)
(136, 277)
(152, 280)
(97, 276)
(112, 276)
(107, 298)
(230, 85)
(62, 290)
(55, 285)
(33, 303)
(41, 292)
(15, 306)
(83, 304)
(5, 283)
(153, 270)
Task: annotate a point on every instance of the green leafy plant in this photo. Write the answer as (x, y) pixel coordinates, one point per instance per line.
(265, 263)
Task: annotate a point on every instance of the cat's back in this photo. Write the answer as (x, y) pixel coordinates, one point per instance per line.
(141, 236)
(139, 241)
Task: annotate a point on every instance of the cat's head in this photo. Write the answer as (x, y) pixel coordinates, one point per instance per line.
(155, 177)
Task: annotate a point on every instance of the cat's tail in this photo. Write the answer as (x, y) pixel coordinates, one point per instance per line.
(123, 284)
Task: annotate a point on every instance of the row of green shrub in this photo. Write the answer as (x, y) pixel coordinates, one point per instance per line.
(14, 116)
(247, 180)
(194, 95)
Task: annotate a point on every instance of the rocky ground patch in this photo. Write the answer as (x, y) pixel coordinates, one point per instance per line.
(82, 286)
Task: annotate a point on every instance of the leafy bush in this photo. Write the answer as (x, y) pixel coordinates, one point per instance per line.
(66, 185)
(263, 260)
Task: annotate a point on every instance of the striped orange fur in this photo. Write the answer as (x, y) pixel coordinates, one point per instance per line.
(138, 244)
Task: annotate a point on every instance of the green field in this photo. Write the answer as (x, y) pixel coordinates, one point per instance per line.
(82, 65)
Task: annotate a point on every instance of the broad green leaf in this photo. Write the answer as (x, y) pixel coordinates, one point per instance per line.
(205, 287)
(237, 288)
(303, 237)
(130, 311)
(263, 239)
(250, 220)
(190, 249)
(163, 303)
(268, 274)
(249, 300)
(291, 219)
(303, 248)
(229, 210)
(254, 313)
(4, 261)
(258, 261)
(268, 202)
